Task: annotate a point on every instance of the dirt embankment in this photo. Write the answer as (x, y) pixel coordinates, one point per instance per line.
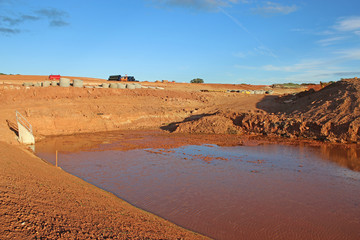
(330, 114)
(63, 111)
(55, 110)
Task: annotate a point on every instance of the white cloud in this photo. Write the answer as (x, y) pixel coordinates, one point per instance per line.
(307, 65)
(246, 67)
(349, 54)
(258, 51)
(348, 24)
(197, 4)
(311, 70)
(330, 41)
(265, 51)
(304, 65)
(240, 54)
(297, 30)
(245, 1)
(325, 33)
(345, 28)
(340, 74)
(314, 70)
(275, 8)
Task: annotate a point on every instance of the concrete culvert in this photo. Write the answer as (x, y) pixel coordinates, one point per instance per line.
(137, 85)
(38, 84)
(105, 85)
(121, 85)
(46, 83)
(113, 85)
(78, 83)
(64, 82)
(54, 83)
(130, 86)
(27, 84)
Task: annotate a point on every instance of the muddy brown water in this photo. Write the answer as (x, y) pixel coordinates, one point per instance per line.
(243, 192)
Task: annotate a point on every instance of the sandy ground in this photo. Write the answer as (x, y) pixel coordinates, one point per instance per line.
(39, 200)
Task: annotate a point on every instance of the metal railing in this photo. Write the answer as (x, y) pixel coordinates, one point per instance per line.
(22, 120)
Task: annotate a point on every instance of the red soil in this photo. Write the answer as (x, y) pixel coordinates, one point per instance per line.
(330, 114)
(54, 204)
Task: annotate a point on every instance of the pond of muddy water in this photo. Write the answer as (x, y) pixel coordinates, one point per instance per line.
(244, 192)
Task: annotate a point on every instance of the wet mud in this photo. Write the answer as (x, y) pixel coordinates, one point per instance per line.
(248, 189)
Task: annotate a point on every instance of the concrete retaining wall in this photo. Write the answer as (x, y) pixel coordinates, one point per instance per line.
(78, 83)
(113, 85)
(46, 83)
(121, 85)
(64, 82)
(105, 85)
(130, 86)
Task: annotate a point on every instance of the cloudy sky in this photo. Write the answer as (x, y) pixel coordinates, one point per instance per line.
(221, 41)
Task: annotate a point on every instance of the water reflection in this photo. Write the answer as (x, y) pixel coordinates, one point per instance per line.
(257, 192)
(245, 192)
(348, 157)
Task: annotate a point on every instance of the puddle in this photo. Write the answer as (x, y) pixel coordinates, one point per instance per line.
(243, 192)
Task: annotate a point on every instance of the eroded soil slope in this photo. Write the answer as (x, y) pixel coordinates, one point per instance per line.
(56, 110)
(331, 114)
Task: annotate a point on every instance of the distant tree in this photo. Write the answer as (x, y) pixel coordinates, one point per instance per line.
(197, 80)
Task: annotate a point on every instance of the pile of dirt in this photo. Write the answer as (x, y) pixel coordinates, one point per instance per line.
(334, 111)
(246, 123)
(331, 114)
(215, 124)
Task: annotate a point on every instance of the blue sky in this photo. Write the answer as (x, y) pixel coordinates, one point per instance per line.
(221, 41)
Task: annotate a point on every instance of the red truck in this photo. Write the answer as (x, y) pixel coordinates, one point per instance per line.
(54, 77)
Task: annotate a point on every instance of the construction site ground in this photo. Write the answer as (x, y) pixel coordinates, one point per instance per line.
(40, 200)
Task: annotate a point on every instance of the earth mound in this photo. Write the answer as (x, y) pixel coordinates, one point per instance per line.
(215, 124)
(330, 114)
(335, 110)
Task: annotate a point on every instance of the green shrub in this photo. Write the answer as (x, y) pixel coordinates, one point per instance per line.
(197, 80)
